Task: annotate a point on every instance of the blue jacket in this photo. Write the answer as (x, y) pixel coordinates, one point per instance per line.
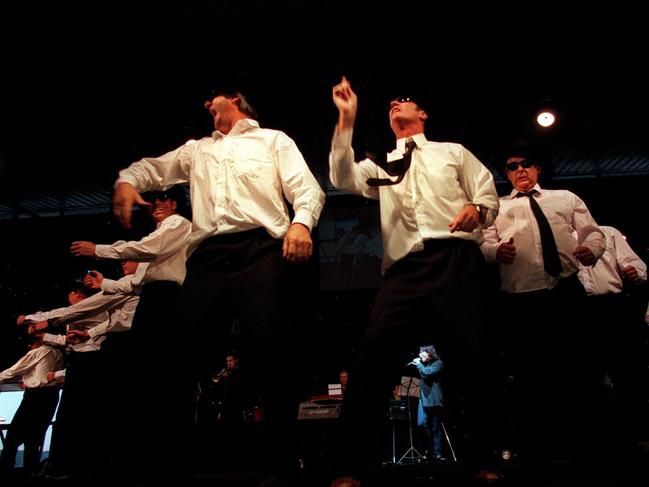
(430, 391)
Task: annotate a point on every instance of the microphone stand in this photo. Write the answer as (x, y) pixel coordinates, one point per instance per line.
(411, 455)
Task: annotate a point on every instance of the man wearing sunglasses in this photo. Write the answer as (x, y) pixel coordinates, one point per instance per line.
(165, 252)
(434, 198)
(539, 239)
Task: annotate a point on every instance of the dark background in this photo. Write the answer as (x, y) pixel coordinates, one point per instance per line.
(84, 91)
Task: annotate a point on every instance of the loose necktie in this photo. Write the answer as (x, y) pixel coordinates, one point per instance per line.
(396, 168)
(551, 260)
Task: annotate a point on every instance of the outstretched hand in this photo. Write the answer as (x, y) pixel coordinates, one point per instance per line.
(123, 200)
(77, 336)
(82, 248)
(93, 280)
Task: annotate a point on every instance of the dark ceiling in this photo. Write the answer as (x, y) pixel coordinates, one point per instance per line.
(84, 92)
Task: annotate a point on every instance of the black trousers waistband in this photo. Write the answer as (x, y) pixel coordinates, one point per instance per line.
(234, 249)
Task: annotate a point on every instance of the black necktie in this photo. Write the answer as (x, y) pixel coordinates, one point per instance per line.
(395, 168)
(551, 260)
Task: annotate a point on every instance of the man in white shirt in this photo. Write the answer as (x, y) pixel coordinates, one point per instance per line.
(74, 445)
(241, 240)
(165, 251)
(616, 288)
(539, 239)
(434, 198)
(80, 443)
(37, 407)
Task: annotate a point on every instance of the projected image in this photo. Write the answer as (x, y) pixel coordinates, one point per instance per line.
(350, 249)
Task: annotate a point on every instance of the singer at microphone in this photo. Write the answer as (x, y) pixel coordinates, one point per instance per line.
(431, 399)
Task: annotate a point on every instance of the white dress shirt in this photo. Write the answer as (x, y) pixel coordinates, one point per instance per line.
(606, 275)
(567, 215)
(237, 181)
(442, 179)
(34, 366)
(98, 314)
(126, 284)
(91, 345)
(165, 249)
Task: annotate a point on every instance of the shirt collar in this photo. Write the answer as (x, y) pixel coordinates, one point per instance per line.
(420, 139)
(240, 127)
(535, 188)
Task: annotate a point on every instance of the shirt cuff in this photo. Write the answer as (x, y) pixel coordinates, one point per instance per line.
(489, 252)
(305, 218)
(52, 339)
(103, 251)
(126, 179)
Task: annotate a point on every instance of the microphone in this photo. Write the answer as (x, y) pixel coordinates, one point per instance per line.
(411, 363)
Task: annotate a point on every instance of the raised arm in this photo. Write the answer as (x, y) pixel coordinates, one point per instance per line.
(344, 173)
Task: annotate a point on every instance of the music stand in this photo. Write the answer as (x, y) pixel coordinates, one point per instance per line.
(410, 385)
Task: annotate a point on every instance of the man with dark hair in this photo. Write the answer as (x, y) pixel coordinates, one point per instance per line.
(37, 407)
(434, 197)
(241, 241)
(76, 448)
(539, 239)
(431, 400)
(164, 251)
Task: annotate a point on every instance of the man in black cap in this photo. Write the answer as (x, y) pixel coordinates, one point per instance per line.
(434, 198)
(164, 253)
(241, 241)
(539, 239)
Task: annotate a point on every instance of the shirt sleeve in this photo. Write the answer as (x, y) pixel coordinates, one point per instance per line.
(92, 305)
(345, 173)
(56, 340)
(120, 319)
(123, 285)
(588, 233)
(625, 256)
(45, 315)
(430, 370)
(20, 368)
(490, 244)
(298, 183)
(478, 184)
(167, 239)
(158, 173)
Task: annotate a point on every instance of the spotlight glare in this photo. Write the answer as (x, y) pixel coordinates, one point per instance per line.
(545, 119)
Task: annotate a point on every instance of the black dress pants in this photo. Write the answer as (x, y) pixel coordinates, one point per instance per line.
(29, 426)
(238, 275)
(439, 295)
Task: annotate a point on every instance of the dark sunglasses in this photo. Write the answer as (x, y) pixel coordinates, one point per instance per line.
(151, 196)
(405, 99)
(525, 164)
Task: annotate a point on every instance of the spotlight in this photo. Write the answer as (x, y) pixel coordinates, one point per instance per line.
(546, 113)
(545, 119)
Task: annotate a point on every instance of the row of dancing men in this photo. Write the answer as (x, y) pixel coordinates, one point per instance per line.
(442, 223)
